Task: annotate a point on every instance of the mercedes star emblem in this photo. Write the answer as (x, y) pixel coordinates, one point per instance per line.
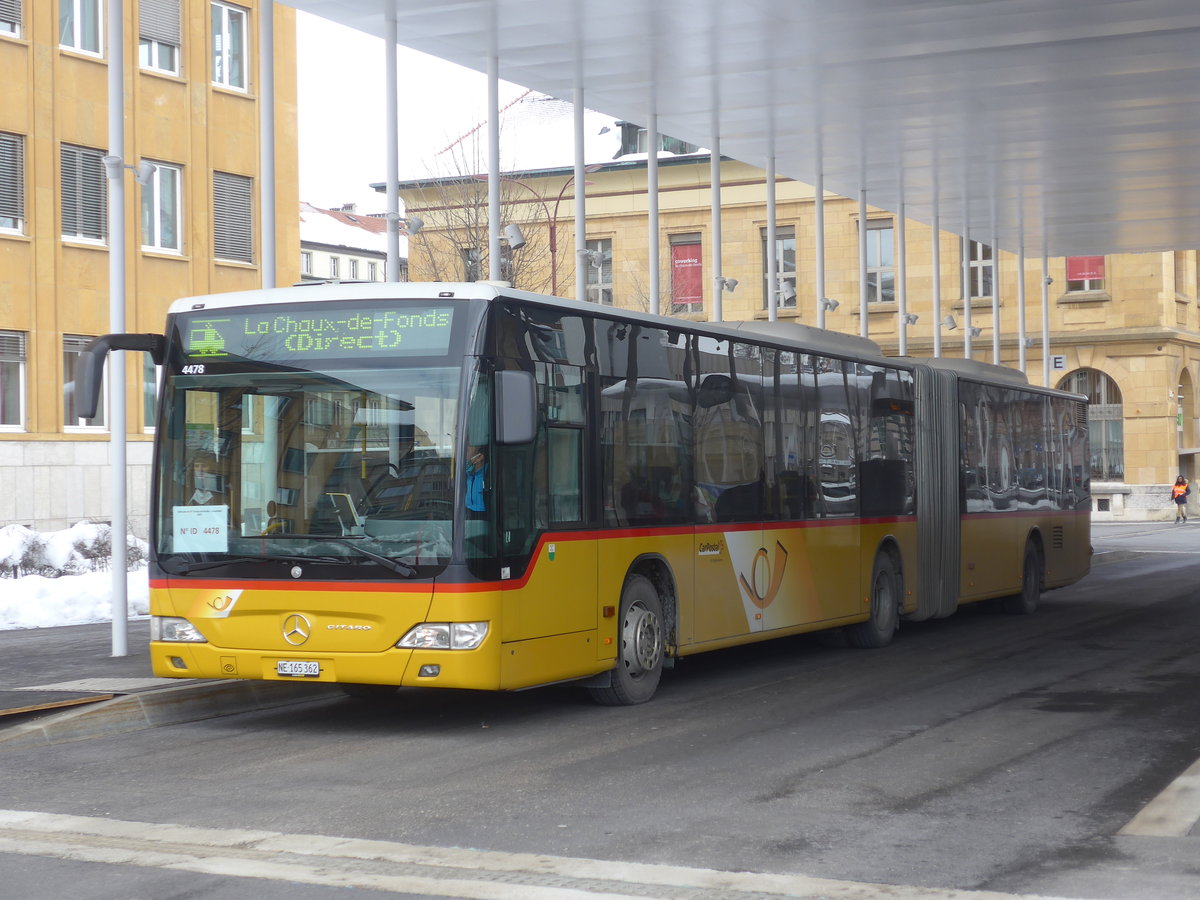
(296, 629)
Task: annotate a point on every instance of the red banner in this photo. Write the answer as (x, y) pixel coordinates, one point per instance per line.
(687, 285)
(1085, 268)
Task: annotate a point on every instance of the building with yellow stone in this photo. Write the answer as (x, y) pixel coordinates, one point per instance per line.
(192, 135)
(1124, 329)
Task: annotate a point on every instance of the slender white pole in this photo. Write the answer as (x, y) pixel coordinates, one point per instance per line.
(772, 247)
(266, 146)
(819, 231)
(715, 178)
(1021, 355)
(995, 289)
(115, 166)
(392, 119)
(1045, 318)
(652, 202)
(901, 269)
(862, 262)
(936, 264)
(581, 260)
(493, 137)
(965, 260)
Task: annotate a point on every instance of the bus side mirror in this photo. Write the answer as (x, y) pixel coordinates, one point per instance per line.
(516, 407)
(90, 367)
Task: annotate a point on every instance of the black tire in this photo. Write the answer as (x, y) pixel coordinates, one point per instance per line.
(372, 692)
(643, 643)
(878, 630)
(1024, 603)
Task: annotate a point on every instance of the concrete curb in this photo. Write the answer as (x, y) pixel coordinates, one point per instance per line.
(171, 705)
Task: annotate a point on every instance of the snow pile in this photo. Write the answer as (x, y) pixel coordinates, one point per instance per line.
(39, 602)
(84, 547)
(61, 577)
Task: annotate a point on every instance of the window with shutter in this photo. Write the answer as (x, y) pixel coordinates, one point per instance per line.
(12, 380)
(84, 194)
(10, 17)
(159, 35)
(233, 236)
(12, 182)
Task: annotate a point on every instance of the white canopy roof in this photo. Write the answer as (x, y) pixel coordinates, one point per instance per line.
(1072, 126)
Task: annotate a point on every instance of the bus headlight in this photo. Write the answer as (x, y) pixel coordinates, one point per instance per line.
(169, 628)
(444, 636)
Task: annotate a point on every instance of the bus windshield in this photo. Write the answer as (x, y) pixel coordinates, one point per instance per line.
(336, 465)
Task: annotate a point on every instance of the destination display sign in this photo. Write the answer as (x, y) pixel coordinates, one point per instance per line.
(317, 332)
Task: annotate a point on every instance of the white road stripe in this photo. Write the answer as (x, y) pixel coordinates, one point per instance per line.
(410, 868)
(1174, 812)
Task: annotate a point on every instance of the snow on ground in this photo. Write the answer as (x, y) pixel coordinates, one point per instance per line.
(35, 601)
(79, 594)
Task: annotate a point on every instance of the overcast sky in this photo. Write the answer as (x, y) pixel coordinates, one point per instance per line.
(342, 115)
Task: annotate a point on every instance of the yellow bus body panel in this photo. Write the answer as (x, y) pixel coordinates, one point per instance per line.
(559, 620)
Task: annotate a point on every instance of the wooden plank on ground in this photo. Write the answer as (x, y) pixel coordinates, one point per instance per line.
(15, 702)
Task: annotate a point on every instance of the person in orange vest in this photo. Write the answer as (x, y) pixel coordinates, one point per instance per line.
(1179, 495)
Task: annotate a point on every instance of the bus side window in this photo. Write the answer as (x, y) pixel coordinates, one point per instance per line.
(645, 421)
(837, 464)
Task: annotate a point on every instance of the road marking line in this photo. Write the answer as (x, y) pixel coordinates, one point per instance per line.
(1174, 812)
(410, 868)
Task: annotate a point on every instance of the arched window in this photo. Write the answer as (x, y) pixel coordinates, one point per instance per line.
(1106, 428)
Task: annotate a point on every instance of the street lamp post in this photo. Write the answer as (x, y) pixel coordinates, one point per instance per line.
(551, 219)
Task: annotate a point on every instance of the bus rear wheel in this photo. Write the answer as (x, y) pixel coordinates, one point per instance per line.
(1024, 603)
(643, 643)
(878, 630)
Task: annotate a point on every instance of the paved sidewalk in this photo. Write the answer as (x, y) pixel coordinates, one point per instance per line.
(63, 684)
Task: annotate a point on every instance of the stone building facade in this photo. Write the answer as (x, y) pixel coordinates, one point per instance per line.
(192, 135)
(1125, 329)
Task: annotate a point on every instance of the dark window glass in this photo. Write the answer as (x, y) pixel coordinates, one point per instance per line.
(646, 413)
(886, 440)
(1030, 421)
(837, 465)
(789, 431)
(1106, 434)
(728, 432)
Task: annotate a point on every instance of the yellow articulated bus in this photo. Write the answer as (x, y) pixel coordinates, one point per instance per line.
(461, 485)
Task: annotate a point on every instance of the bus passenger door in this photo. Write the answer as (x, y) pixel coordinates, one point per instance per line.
(545, 503)
(833, 538)
(732, 586)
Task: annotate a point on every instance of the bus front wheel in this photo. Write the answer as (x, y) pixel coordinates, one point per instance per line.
(643, 642)
(877, 631)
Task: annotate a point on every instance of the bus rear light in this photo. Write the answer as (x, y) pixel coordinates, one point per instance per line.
(444, 636)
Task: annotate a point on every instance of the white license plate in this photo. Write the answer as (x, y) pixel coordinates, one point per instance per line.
(298, 668)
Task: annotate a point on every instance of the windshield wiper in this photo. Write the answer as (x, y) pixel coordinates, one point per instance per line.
(183, 567)
(395, 565)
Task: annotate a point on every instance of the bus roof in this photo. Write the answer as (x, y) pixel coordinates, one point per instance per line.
(319, 291)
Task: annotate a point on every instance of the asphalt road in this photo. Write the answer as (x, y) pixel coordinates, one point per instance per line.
(984, 752)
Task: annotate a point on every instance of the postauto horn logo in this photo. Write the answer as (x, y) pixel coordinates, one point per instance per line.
(764, 575)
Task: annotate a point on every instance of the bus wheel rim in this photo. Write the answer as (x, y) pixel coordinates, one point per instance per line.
(642, 639)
